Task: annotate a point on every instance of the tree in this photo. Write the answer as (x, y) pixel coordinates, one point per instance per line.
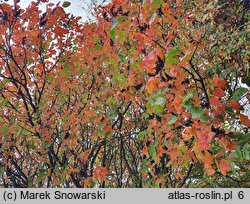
(149, 95)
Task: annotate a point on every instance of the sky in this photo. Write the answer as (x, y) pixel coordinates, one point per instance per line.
(77, 7)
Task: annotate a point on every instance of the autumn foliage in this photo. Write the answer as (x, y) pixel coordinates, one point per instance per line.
(149, 94)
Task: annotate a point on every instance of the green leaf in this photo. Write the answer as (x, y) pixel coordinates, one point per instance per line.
(152, 102)
(204, 118)
(246, 155)
(67, 71)
(122, 37)
(149, 108)
(238, 153)
(4, 130)
(238, 93)
(30, 182)
(233, 169)
(112, 34)
(245, 138)
(230, 110)
(160, 101)
(196, 112)
(158, 110)
(173, 52)
(111, 100)
(157, 3)
(172, 120)
(120, 18)
(166, 143)
(189, 105)
(95, 37)
(144, 166)
(114, 23)
(145, 115)
(246, 81)
(246, 151)
(121, 56)
(246, 147)
(152, 150)
(171, 61)
(143, 134)
(66, 4)
(187, 98)
(182, 148)
(98, 47)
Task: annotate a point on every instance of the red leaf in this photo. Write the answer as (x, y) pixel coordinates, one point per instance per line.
(219, 92)
(83, 121)
(215, 101)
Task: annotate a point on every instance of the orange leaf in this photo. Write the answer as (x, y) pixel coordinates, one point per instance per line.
(100, 173)
(165, 9)
(227, 144)
(235, 105)
(6, 180)
(150, 70)
(103, 173)
(177, 104)
(108, 129)
(86, 182)
(71, 170)
(245, 120)
(193, 156)
(224, 167)
(208, 159)
(218, 155)
(50, 4)
(55, 179)
(222, 83)
(152, 85)
(161, 152)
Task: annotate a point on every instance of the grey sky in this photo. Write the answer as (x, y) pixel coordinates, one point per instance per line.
(77, 7)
